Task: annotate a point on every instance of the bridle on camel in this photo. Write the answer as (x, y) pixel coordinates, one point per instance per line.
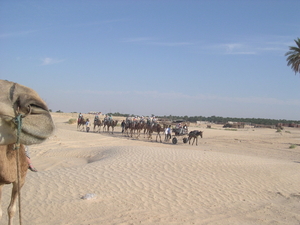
(18, 122)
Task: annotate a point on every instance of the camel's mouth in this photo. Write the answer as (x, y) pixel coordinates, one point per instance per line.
(21, 107)
(36, 128)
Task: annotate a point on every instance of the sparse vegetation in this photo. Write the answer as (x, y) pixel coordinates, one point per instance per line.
(72, 121)
(293, 146)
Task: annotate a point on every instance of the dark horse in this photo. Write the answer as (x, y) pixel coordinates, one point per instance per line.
(98, 123)
(155, 128)
(195, 134)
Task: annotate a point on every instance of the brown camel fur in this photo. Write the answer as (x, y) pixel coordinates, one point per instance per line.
(98, 123)
(139, 126)
(37, 126)
(8, 173)
(81, 122)
(155, 128)
(135, 127)
(110, 123)
(129, 127)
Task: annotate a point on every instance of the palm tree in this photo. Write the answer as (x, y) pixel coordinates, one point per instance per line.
(294, 57)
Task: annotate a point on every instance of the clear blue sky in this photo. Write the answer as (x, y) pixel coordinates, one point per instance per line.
(195, 58)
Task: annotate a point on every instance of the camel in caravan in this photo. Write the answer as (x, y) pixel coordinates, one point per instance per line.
(155, 128)
(24, 120)
(110, 123)
(98, 123)
(147, 127)
(126, 128)
(138, 127)
(129, 128)
(81, 122)
(133, 127)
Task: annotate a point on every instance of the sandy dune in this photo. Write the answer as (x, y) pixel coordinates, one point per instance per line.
(248, 176)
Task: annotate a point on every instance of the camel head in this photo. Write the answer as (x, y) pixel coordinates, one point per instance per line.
(37, 124)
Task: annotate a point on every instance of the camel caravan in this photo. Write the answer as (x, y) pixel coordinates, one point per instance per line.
(135, 126)
(24, 120)
(150, 125)
(108, 122)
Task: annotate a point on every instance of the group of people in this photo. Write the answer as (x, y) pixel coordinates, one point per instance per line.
(108, 118)
(151, 121)
(96, 118)
(131, 119)
(181, 129)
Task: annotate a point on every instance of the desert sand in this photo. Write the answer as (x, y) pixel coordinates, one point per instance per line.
(244, 176)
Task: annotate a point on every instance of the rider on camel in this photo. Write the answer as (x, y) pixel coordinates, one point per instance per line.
(80, 117)
(96, 118)
(105, 118)
(154, 120)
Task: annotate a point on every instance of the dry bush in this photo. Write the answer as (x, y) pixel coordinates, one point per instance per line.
(72, 121)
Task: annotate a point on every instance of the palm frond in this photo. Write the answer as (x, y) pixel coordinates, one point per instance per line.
(293, 58)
